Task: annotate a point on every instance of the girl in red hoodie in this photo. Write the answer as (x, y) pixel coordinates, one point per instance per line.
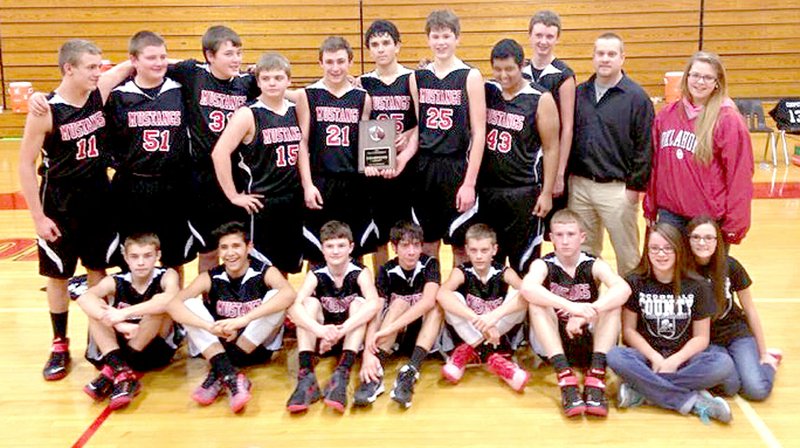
(702, 157)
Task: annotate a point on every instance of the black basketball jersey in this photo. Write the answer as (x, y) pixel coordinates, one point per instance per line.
(551, 77)
(148, 132)
(333, 139)
(392, 101)
(513, 147)
(581, 288)
(268, 164)
(333, 298)
(210, 102)
(235, 297)
(75, 148)
(125, 295)
(396, 283)
(483, 297)
(444, 127)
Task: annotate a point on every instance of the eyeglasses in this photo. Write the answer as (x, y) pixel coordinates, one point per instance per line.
(705, 238)
(667, 250)
(705, 78)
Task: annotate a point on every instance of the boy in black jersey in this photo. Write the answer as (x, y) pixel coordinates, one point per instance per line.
(71, 134)
(213, 91)
(239, 322)
(129, 328)
(568, 312)
(407, 285)
(149, 144)
(393, 90)
(481, 304)
(330, 112)
(452, 130)
(334, 304)
(519, 165)
(268, 138)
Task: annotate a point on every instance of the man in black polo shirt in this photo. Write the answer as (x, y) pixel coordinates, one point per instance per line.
(610, 159)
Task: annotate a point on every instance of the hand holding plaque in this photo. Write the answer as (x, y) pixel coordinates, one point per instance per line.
(376, 145)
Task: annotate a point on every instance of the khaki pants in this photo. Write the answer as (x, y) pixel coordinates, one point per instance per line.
(605, 205)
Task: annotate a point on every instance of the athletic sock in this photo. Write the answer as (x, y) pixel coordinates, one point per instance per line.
(306, 360)
(348, 359)
(115, 360)
(59, 323)
(417, 356)
(221, 364)
(598, 366)
(559, 362)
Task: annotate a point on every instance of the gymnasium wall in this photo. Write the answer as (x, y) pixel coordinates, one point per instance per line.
(758, 42)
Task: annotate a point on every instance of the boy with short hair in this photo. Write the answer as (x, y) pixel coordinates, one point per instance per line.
(267, 136)
(332, 308)
(149, 144)
(407, 286)
(213, 90)
(330, 112)
(393, 90)
(129, 329)
(240, 321)
(573, 323)
(481, 304)
(452, 131)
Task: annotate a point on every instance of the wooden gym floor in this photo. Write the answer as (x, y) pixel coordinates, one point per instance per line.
(481, 411)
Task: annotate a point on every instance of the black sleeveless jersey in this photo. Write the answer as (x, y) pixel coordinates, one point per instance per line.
(210, 102)
(147, 134)
(75, 148)
(551, 77)
(483, 297)
(333, 139)
(125, 295)
(444, 127)
(268, 164)
(333, 298)
(396, 283)
(581, 288)
(392, 101)
(231, 298)
(513, 147)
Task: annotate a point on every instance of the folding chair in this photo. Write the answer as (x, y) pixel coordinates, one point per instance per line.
(787, 118)
(753, 112)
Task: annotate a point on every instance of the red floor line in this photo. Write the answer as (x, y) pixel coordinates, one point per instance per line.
(92, 428)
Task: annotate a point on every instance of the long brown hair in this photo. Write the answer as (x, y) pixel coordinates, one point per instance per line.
(707, 120)
(717, 267)
(683, 268)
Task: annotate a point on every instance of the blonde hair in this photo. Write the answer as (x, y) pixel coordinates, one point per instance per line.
(707, 120)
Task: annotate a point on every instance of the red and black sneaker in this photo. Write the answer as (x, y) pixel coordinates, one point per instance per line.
(207, 392)
(336, 390)
(57, 365)
(100, 388)
(238, 387)
(454, 368)
(306, 392)
(594, 393)
(126, 386)
(508, 371)
(571, 399)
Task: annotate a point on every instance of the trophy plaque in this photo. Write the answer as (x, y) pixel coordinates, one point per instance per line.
(376, 144)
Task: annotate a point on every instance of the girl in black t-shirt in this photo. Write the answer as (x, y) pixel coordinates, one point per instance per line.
(666, 325)
(736, 328)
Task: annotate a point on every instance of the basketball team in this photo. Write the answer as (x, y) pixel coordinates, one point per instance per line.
(215, 162)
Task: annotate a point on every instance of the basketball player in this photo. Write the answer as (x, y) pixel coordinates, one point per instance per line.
(519, 164)
(480, 303)
(267, 135)
(213, 91)
(330, 110)
(240, 320)
(452, 125)
(148, 142)
(70, 133)
(129, 329)
(411, 320)
(574, 324)
(391, 87)
(332, 308)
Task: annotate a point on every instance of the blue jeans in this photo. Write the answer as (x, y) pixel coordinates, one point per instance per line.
(678, 390)
(751, 379)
